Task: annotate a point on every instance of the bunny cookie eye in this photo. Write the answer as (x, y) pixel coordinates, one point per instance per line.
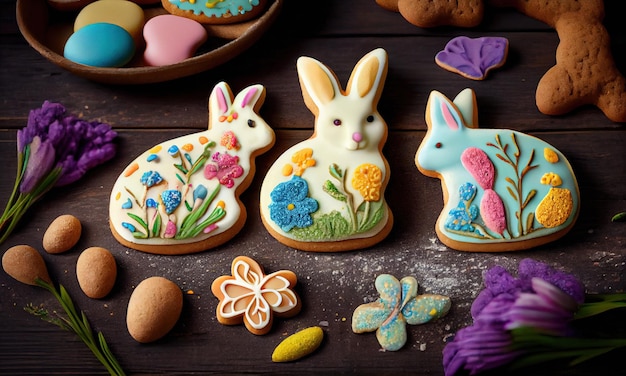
(370, 119)
(337, 122)
(251, 123)
(438, 145)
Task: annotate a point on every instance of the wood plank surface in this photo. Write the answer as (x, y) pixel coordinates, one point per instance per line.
(337, 33)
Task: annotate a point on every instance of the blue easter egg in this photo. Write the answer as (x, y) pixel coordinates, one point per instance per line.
(100, 45)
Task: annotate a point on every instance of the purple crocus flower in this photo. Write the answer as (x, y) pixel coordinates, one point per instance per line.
(40, 162)
(54, 149)
(540, 297)
(79, 145)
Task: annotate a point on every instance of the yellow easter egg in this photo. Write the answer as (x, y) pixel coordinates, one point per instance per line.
(555, 208)
(298, 345)
(125, 14)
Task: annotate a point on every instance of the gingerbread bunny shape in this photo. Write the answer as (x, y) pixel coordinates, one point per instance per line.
(503, 190)
(182, 195)
(326, 193)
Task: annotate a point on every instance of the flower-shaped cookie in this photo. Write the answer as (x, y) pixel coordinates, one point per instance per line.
(397, 306)
(251, 297)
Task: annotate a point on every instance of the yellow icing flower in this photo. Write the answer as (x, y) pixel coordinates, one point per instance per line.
(555, 208)
(367, 180)
(552, 179)
(303, 160)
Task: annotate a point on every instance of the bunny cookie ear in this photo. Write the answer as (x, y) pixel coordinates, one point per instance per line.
(369, 75)
(253, 96)
(220, 101)
(319, 84)
(440, 111)
(465, 102)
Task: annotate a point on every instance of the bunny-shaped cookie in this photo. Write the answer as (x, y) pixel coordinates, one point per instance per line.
(326, 193)
(182, 195)
(503, 190)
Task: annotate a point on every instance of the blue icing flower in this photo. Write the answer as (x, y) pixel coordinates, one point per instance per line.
(128, 204)
(150, 178)
(461, 217)
(171, 199)
(291, 207)
(200, 192)
(151, 203)
(397, 306)
(173, 150)
(129, 226)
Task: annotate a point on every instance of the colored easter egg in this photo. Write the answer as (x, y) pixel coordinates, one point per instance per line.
(100, 45)
(123, 13)
(171, 39)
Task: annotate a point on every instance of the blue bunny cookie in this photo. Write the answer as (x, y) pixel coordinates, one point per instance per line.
(503, 190)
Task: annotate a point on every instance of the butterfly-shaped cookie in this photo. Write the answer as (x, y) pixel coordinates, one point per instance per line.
(253, 297)
(397, 306)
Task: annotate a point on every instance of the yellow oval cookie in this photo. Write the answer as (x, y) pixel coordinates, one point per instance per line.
(298, 345)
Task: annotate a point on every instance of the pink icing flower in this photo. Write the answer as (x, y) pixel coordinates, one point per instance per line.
(170, 229)
(492, 211)
(226, 169)
(479, 165)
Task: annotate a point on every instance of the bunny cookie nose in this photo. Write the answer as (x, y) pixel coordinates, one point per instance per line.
(357, 137)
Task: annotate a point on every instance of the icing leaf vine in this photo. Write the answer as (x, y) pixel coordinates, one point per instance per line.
(515, 188)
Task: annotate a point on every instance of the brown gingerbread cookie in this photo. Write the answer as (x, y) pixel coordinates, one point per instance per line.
(585, 72)
(431, 13)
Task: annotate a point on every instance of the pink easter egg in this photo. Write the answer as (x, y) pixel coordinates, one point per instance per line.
(171, 39)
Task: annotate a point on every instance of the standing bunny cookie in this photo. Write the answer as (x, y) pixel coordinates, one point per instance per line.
(326, 193)
(182, 195)
(503, 190)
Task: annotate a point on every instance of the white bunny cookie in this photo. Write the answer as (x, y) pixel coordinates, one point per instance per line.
(182, 195)
(326, 193)
(503, 190)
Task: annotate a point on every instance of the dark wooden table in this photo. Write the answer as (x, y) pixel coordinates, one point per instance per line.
(331, 285)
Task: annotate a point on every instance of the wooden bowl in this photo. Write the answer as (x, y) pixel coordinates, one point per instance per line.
(47, 30)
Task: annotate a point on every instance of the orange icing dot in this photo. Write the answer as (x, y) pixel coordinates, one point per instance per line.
(188, 147)
(203, 140)
(221, 204)
(550, 155)
(156, 149)
(287, 170)
(131, 169)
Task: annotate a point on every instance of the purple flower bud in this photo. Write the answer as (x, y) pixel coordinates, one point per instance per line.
(40, 162)
(540, 298)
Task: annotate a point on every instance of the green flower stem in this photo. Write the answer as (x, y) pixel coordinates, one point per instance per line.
(539, 347)
(17, 206)
(619, 217)
(597, 304)
(80, 325)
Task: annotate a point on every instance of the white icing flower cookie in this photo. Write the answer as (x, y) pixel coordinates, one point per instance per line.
(503, 190)
(182, 196)
(326, 193)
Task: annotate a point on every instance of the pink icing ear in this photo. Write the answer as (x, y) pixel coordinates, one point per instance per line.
(221, 100)
(447, 116)
(249, 95)
(492, 211)
(477, 163)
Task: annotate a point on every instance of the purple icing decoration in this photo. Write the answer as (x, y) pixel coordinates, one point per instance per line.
(473, 58)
